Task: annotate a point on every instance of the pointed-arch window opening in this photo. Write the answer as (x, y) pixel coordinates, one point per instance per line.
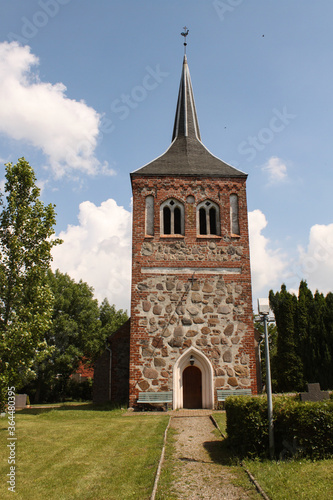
(213, 220)
(166, 220)
(208, 218)
(172, 217)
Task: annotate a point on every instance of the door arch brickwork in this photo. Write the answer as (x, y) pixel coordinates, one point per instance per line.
(201, 362)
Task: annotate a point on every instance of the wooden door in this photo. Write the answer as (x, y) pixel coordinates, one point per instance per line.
(192, 387)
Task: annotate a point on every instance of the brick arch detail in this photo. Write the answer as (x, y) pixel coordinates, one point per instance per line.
(202, 362)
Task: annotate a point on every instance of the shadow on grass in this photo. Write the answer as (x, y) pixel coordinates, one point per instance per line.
(220, 452)
(71, 407)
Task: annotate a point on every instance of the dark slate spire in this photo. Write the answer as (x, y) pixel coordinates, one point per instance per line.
(187, 156)
(186, 120)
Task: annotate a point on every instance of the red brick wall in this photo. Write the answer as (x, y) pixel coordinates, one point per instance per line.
(119, 345)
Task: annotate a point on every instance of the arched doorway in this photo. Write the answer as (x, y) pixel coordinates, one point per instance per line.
(192, 387)
(204, 365)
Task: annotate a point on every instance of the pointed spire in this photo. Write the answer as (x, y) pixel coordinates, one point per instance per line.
(186, 155)
(186, 120)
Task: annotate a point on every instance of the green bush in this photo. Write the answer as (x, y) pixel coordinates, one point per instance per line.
(300, 428)
(247, 425)
(68, 390)
(304, 428)
(79, 391)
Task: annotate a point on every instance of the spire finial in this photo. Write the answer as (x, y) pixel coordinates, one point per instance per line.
(184, 34)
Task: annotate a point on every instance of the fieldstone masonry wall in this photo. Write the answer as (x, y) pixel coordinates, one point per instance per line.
(208, 314)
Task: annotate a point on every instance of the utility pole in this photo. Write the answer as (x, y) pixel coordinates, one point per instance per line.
(263, 309)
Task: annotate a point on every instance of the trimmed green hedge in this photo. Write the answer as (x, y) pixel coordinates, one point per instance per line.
(300, 428)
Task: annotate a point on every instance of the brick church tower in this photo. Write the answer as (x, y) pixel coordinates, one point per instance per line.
(191, 308)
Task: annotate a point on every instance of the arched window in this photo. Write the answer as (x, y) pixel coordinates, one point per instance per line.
(149, 225)
(208, 218)
(172, 217)
(234, 216)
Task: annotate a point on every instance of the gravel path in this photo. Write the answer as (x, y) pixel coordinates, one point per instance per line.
(199, 476)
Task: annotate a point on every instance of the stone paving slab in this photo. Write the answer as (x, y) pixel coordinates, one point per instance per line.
(190, 413)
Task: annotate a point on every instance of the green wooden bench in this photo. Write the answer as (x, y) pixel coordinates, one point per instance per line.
(155, 397)
(222, 394)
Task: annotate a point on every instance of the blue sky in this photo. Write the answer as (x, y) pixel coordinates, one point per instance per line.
(88, 94)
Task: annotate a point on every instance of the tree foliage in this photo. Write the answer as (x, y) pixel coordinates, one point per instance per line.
(272, 339)
(304, 346)
(111, 319)
(290, 365)
(48, 322)
(26, 227)
(77, 333)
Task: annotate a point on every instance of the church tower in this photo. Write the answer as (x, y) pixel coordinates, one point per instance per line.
(191, 305)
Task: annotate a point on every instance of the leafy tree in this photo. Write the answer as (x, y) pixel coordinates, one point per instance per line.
(26, 227)
(73, 334)
(77, 334)
(111, 319)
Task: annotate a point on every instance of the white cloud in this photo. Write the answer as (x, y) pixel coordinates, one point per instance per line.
(316, 261)
(98, 251)
(272, 267)
(266, 264)
(276, 169)
(40, 114)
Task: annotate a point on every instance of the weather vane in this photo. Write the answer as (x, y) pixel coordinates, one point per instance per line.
(184, 34)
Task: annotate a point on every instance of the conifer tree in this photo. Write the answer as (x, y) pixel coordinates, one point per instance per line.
(304, 339)
(321, 358)
(329, 338)
(303, 319)
(287, 359)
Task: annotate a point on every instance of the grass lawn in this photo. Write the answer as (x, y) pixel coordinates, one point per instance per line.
(221, 421)
(82, 453)
(301, 479)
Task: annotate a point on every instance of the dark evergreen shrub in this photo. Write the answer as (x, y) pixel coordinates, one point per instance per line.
(300, 428)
